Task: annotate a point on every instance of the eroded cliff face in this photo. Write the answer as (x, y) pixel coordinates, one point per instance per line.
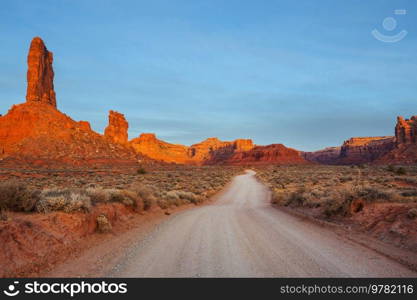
(359, 150)
(270, 154)
(40, 75)
(328, 155)
(147, 144)
(35, 133)
(116, 130)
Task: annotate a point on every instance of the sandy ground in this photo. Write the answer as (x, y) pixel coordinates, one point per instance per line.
(241, 235)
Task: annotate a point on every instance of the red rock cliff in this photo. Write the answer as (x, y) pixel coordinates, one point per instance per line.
(147, 144)
(359, 150)
(40, 75)
(329, 155)
(270, 154)
(406, 131)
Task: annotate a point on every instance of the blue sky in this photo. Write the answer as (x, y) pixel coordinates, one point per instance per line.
(308, 74)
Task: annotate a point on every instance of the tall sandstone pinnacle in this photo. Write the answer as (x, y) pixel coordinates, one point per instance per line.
(40, 75)
(116, 131)
(406, 131)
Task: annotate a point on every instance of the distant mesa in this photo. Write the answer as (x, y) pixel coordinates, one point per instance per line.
(398, 149)
(36, 133)
(213, 151)
(406, 131)
(117, 128)
(40, 75)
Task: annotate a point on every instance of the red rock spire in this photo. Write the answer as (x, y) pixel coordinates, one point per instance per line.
(40, 74)
(117, 128)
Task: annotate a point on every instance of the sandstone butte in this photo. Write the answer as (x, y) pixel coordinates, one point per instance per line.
(405, 148)
(116, 131)
(213, 151)
(36, 133)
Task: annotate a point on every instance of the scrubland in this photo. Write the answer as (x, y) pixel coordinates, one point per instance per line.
(48, 216)
(80, 191)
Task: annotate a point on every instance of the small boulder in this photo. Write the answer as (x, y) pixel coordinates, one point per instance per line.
(103, 224)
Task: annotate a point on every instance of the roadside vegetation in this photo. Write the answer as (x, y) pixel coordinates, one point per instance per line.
(378, 200)
(340, 190)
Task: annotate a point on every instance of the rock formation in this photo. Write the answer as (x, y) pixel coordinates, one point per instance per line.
(328, 155)
(40, 75)
(356, 150)
(360, 150)
(35, 133)
(406, 131)
(270, 154)
(243, 144)
(204, 151)
(147, 144)
(117, 128)
(213, 151)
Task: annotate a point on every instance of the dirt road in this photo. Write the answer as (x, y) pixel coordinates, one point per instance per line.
(241, 235)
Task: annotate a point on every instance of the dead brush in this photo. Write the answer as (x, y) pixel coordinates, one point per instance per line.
(66, 200)
(15, 196)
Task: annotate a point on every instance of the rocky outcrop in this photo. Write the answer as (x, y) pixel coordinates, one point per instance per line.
(208, 148)
(360, 150)
(328, 155)
(35, 133)
(271, 154)
(147, 144)
(116, 130)
(40, 75)
(243, 145)
(213, 151)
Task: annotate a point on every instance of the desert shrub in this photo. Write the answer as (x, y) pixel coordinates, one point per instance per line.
(188, 196)
(145, 193)
(401, 171)
(98, 195)
(67, 200)
(390, 168)
(409, 193)
(16, 196)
